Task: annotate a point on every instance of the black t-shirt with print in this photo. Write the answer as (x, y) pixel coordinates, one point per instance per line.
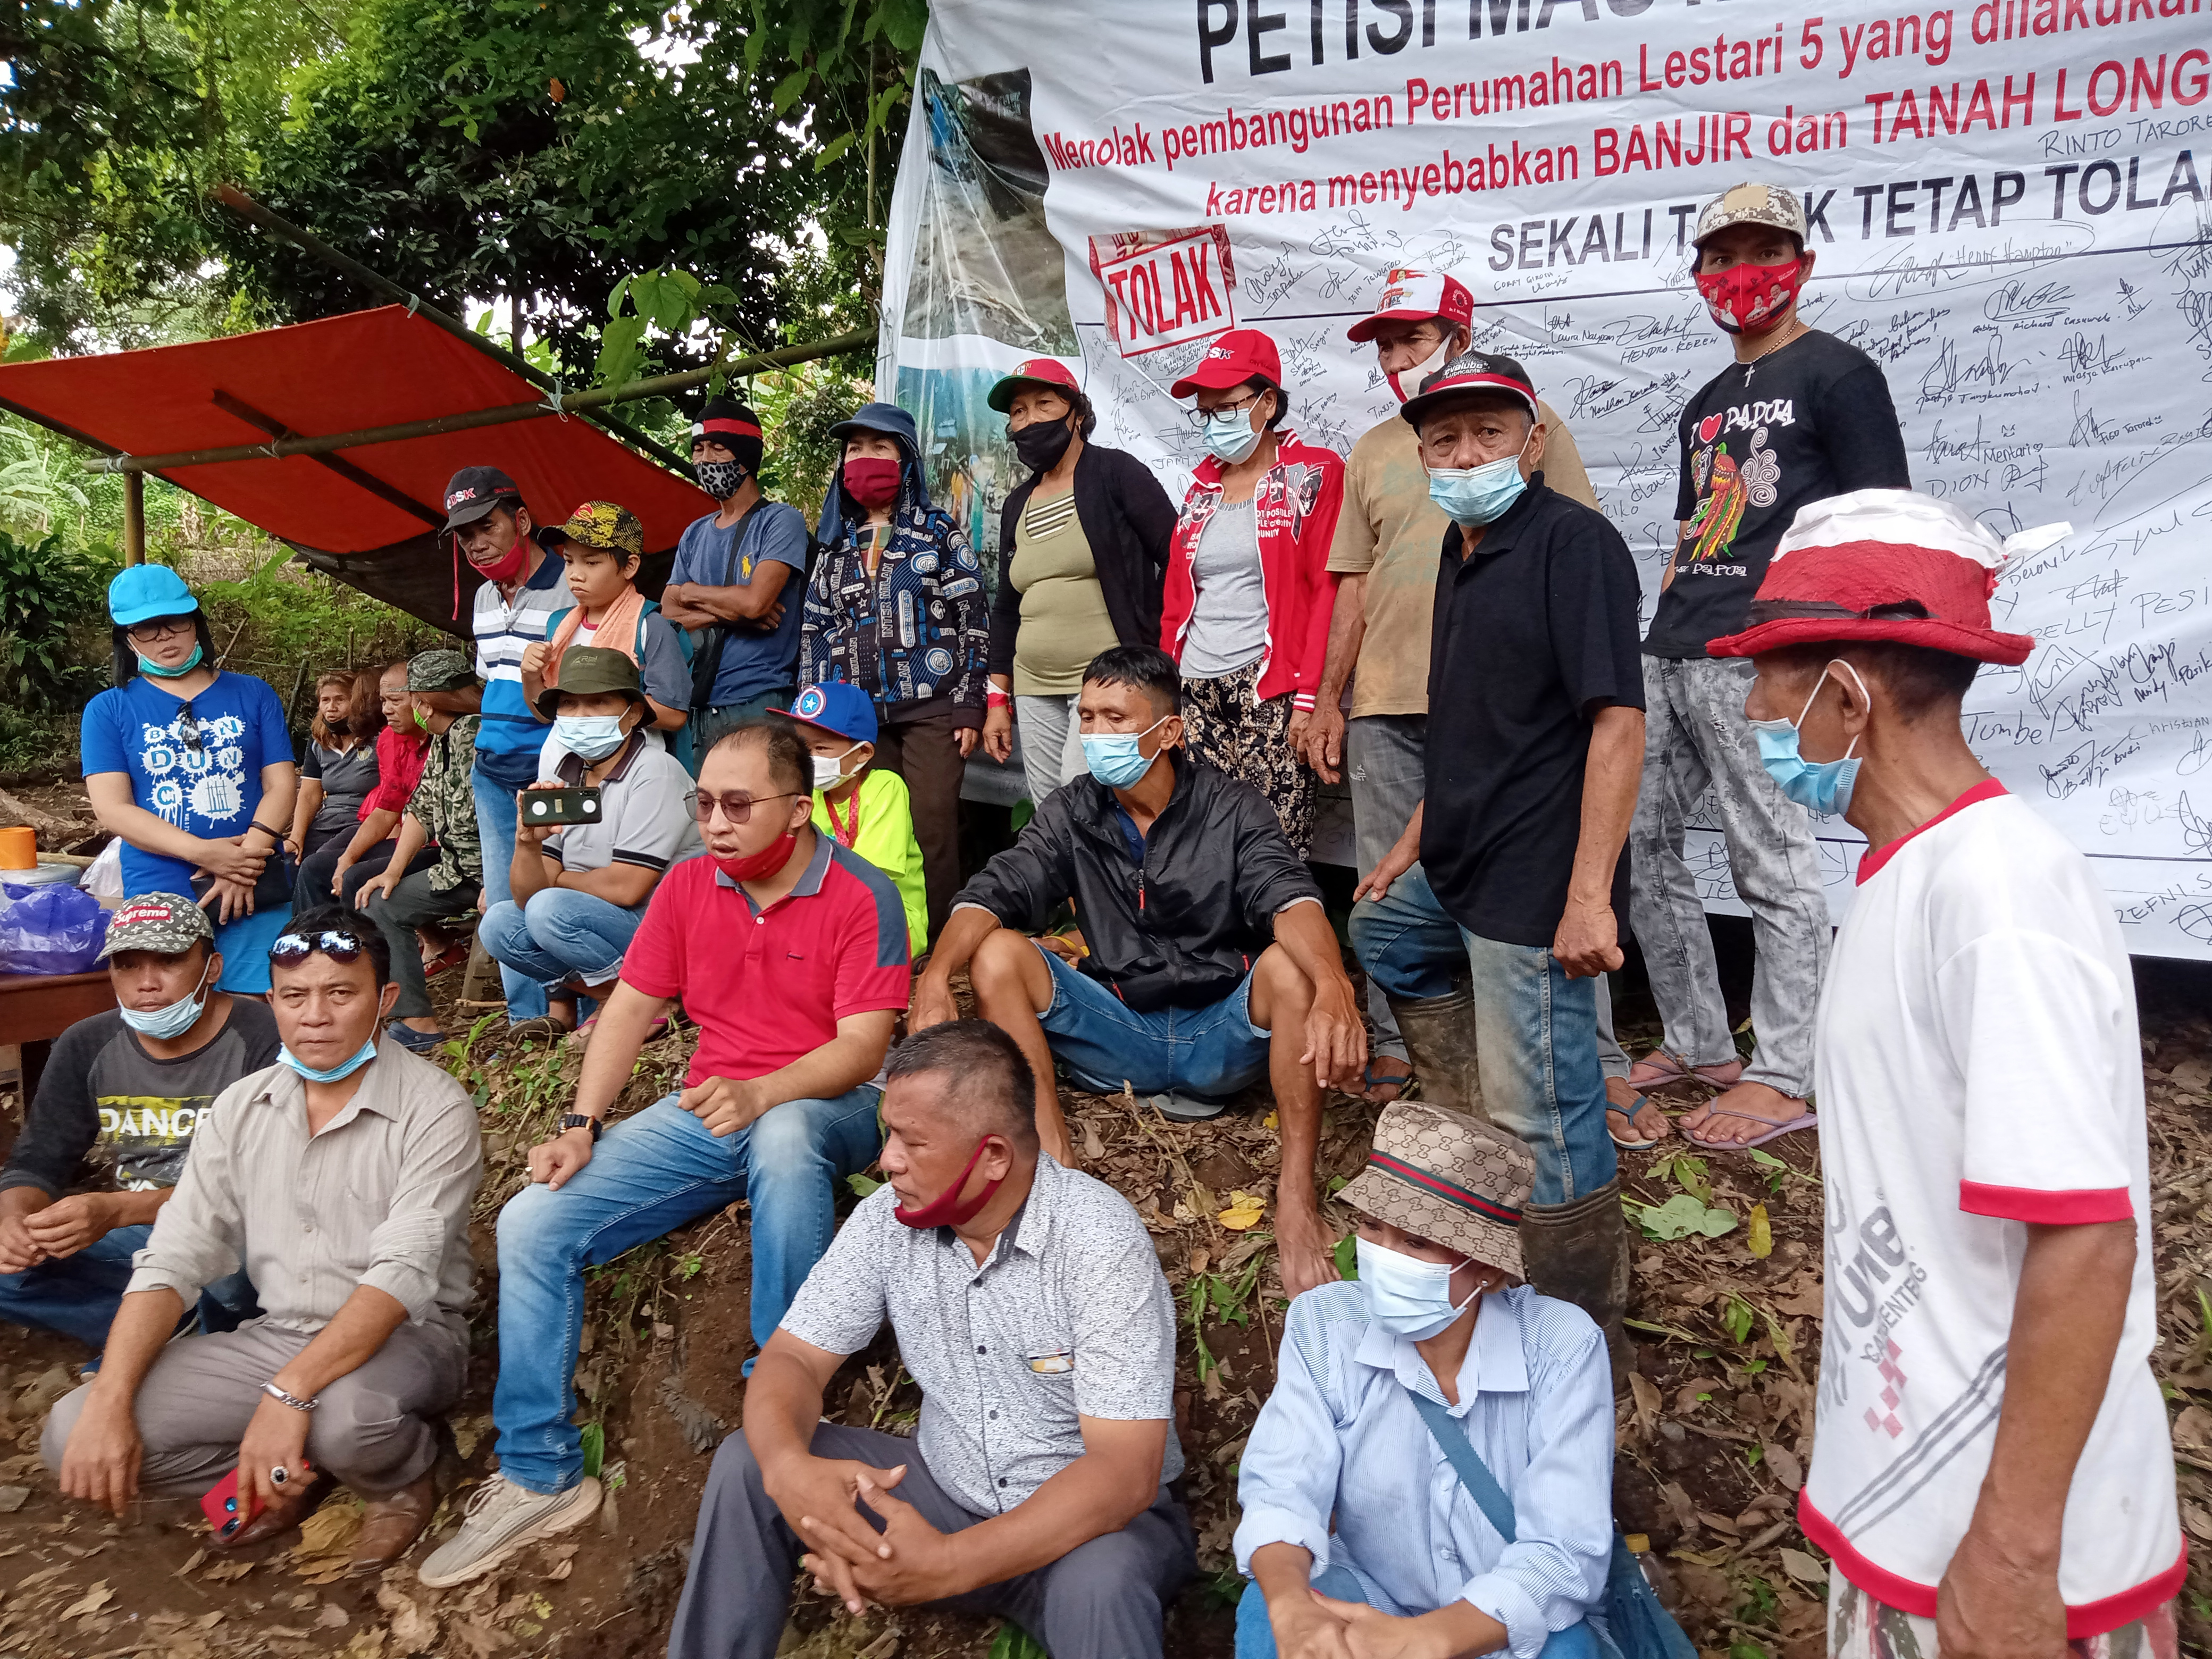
(1758, 441)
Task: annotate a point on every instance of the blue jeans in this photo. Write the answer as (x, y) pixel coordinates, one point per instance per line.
(709, 726)
(1255, 1637)
(1211, 1051)
(651, 1172)
(1536, 1030)
(526, 997)
(561, 933)
(78, 1295)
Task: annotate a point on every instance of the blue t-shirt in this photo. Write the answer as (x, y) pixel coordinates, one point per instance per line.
(212, 790)
(752, 663)
(510, 733)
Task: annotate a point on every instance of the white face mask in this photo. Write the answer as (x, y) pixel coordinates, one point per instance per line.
(1406, 383)
(830, 770)
(1406, 1296)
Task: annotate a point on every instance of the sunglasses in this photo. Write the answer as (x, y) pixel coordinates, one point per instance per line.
(188, 728)
(739, 808)
(292, 949)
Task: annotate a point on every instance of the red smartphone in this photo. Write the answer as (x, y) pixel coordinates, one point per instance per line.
(220, 1505)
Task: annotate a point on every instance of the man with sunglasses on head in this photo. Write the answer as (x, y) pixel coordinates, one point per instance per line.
(791, 953)
(341, 1179)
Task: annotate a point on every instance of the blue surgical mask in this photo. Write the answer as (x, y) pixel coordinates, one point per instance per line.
(1817, 786)
(1478, 495)
(173, 1021)
(343, 1070)
(1406, 1296)
(1115, 759)
(594, 737)
(147, 666)
(1230, 438)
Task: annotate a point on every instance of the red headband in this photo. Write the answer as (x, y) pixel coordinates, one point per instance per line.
(735, 428)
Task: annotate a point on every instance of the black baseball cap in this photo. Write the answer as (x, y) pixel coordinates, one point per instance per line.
(475, 490)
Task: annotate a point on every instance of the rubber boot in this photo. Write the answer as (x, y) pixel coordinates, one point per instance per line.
(1578, 1252)
(1439, 1034)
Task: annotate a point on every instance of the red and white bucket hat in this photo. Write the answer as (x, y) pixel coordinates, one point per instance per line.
(1415, 296)
(1881, 549)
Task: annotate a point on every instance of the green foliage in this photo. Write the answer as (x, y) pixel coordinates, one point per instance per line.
(798, 407)
(1739, 1317)
(1348, 1257)
(53, 652)
(1681, 1217)
(594, 1436)
(1012, 1642)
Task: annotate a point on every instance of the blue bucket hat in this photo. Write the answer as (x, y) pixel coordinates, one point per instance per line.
(141, 593)
(836, 706)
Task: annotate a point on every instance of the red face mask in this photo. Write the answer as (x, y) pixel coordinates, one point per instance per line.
(946, 1209)
(871, 481)
(1751, 299)
(766, 862)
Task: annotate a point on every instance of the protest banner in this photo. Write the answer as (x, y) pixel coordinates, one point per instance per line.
(2007, 204)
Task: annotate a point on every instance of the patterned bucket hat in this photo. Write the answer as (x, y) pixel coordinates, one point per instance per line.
(167, 924)
(603, 525)
(1751, 204)
(1450, 1178)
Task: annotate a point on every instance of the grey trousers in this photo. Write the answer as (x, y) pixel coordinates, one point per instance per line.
(1102, 1600)
(1696, 735)
(372, 1429)
(1384, 762)
(413, 903)
(1052, 744)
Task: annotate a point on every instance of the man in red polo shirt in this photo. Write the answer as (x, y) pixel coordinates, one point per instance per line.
(791, 953)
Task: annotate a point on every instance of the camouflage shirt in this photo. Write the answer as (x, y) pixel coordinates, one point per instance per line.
(445, 805)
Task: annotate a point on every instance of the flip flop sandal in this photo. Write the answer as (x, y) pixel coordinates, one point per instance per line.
(1179, 1107)
(451, 956)
(1777, 1128)
(1370, 1080)
(1627, 1115)
(1662, 1070)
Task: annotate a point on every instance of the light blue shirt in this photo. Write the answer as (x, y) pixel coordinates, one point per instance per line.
(1340, 1436)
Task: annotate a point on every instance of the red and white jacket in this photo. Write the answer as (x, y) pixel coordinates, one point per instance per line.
(1294, 510)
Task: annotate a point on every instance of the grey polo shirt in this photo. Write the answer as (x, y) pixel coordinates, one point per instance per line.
(647, 814)
(1069, 1317)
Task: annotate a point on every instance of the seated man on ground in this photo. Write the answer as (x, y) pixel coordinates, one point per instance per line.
(791, 954)
(580, 889)
(124, 1089)
(1209, 960)
(1359, 1533)
(862, 807)
(1036, 1486)
(366, 1338)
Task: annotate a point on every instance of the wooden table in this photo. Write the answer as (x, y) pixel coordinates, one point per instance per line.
(36, 1008)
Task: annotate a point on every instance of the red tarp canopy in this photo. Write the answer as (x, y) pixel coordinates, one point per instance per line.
(368, 369)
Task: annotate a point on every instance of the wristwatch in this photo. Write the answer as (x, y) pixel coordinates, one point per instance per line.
(582, 1120)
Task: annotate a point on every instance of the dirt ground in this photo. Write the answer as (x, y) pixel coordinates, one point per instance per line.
(1714, 1433)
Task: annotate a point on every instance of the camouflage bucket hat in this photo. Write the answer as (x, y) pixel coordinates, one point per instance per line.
(438, 671)
(164, 923)
(1751, 204)
(603, 525)
(1450, 1178)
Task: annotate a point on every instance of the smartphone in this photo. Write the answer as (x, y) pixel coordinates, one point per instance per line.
(555, 806)
(220, 1505)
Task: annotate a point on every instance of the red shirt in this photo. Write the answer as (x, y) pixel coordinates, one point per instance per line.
(770, 986)
(398, 768)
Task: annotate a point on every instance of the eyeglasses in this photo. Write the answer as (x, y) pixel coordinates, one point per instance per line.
(188, 728)
(739, 808)
(159, 627)
(1199, 417)
(292, 949)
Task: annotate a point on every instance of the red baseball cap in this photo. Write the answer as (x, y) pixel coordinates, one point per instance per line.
(1241, 354)
(1472, 371)
(1875, 550)
(1037, 371)
(1415, 296)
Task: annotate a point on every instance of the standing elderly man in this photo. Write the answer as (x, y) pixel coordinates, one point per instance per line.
(1036, 1486)
(791, 953)
(1534, 741)
(1991, 1471)
(341, 1179)
(1208, 961)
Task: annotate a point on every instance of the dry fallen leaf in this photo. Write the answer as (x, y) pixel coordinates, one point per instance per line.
(92, 1601)
(1647, 1402)
(413, 1630)
(1804, 1568)
(332, 1617)
(1758, 1236)
(1784, 1464)
(1245, 1209)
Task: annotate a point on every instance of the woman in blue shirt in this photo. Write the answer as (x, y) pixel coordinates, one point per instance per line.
(191, 768)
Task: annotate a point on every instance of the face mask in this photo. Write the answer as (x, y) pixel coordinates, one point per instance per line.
(173, 1021)
(766, 862)
(721, 479)
(1407, 1297)
(1407, 382)
(509, 569)
(1230, 438)
(1115, 759)
(1751, 299)
(1817, 786)
(177, 672)
(830, 770)
(339, 726)
(336, 1074)
(946, 1209)
(1042, 443)
(594, 737)
(1478, 494)
(871, 481)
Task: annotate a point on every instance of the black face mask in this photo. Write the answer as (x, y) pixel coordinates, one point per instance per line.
(339, 726)
(1041, 444)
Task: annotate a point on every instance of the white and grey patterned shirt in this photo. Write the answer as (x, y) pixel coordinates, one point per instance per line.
(1068, 1317)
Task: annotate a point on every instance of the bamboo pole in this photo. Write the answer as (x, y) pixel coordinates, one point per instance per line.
(134, 518)
(574, 403)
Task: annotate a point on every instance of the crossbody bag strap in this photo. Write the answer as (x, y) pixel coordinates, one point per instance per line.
(1473, 1474)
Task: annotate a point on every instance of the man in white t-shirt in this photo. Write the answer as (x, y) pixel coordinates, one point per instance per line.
(1991, 1471)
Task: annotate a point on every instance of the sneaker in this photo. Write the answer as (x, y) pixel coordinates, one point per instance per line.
(503, 1520)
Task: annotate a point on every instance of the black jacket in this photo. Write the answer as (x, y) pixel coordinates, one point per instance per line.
(1181, 931)
(1128, 519)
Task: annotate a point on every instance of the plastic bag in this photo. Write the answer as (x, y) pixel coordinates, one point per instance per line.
(54, 929)
(103, 878)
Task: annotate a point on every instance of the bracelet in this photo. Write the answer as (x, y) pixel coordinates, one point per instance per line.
(291, 1399)
(277, 835)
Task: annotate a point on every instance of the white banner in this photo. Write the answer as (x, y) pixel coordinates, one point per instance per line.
(2008, 209)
